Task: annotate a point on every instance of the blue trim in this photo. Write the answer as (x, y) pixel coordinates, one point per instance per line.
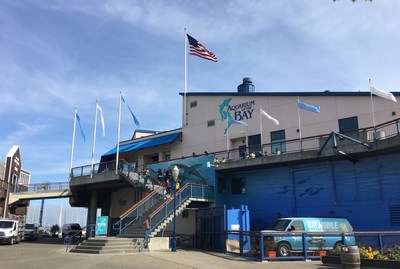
(151, 142)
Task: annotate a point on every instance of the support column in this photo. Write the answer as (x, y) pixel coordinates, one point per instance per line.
(92, 211)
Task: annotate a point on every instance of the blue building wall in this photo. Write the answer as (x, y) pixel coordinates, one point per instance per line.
(363, 192)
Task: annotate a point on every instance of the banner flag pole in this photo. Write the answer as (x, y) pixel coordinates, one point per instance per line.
(261, 132)
(118, 134)
(73, 143)
(185, 81)
(372, 106)
(94, 141)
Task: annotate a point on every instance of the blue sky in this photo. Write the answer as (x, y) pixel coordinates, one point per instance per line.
(58, 55)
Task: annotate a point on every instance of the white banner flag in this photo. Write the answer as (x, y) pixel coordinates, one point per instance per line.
(382, 93)
(269, 117)
(102, 119)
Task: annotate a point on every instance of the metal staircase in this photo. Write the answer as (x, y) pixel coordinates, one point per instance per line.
(149, 216)
(154, 212)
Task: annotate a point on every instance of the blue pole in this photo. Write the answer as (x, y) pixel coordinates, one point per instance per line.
(174, 233)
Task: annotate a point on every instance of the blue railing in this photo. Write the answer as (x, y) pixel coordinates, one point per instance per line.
(247, 243)
(186, 192)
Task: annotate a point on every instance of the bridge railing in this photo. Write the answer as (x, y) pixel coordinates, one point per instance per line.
(45, 186)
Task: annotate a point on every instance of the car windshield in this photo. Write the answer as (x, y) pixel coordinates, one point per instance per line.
(6, 224)
(75, 227)
(29, 226)
(279, 225)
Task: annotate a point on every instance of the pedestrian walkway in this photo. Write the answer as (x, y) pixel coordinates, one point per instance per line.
(46, 254)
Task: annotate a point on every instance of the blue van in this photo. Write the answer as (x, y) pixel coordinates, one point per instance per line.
(320, 233)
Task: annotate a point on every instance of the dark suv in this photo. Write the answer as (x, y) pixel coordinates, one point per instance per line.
(71, 229)
(31, 231)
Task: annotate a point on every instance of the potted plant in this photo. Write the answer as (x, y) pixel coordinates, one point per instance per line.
(321, 250)
(269, 250)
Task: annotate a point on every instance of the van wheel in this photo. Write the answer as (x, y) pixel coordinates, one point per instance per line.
(12, 241)
(283, 249)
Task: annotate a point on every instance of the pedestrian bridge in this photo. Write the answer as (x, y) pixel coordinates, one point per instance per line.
(48, 190)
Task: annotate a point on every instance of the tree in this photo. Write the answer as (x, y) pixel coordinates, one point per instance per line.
(54, 229)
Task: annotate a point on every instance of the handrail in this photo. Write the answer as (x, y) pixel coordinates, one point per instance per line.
(148, 196)
(138, 209)
(189, 190)
(68, 239)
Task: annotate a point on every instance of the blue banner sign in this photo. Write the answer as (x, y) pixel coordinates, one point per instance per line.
(101, 225)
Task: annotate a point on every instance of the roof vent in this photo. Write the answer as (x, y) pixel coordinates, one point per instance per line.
(246, 86)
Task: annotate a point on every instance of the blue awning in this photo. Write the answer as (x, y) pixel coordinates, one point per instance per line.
(151, 142)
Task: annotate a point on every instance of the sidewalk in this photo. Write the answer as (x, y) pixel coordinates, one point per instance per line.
(45, 254)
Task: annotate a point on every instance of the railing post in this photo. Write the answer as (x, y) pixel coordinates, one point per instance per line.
(262, 246)
(380, 243)
(303, 236)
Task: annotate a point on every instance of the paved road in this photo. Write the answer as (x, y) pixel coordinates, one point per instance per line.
(49, 253)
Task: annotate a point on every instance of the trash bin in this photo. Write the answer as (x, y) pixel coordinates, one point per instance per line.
(350, 257)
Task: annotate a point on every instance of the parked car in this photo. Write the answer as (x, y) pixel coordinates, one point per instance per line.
(321, 233)
(11, 230)
(71, 229)
(31, 231)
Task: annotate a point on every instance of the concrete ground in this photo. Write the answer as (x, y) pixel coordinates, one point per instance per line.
(49, 253)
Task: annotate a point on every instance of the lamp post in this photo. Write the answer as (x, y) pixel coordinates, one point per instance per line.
(175, 175)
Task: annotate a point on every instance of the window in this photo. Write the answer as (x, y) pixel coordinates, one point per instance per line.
(238, 186)
(193, 104)
(154, 159)
(221, 186)
(254, 143)
(210, 123)
(167, 156)
(348, 124)
(298, 225)
(277, 141)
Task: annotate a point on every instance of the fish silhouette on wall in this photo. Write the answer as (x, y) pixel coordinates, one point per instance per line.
(189, 173)
(314, 190)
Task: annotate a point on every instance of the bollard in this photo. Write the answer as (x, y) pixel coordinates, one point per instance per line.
(350, 257)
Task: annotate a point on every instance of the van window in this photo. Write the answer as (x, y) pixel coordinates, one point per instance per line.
(298, 225)
(279, 225)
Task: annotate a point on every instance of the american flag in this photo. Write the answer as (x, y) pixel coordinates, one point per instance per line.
(197, 49)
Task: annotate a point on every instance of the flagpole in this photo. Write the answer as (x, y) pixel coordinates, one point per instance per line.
(94, 140)
(227, 137)
(298, 115)
(185, 81)
(372, 106)
(261, 132)
(118, 135)
(73, 143)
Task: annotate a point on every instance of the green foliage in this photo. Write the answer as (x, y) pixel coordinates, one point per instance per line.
(54, 229)
(336, 251)
(393, 253)
(269, 244)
